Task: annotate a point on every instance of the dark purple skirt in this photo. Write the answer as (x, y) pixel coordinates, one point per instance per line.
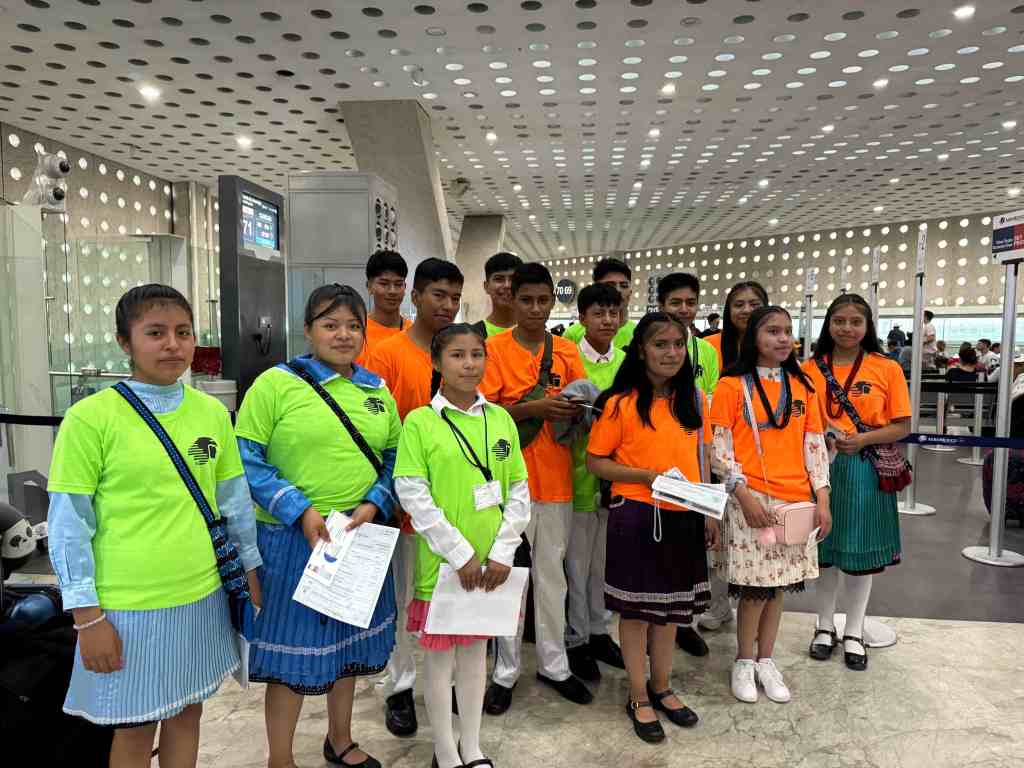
(662, 582)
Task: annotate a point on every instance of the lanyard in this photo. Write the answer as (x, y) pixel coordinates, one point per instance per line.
(465, 445)
(830, 397)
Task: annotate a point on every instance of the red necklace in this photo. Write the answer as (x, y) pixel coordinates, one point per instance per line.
(831, 399)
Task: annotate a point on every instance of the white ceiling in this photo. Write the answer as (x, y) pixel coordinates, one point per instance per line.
(778, 93)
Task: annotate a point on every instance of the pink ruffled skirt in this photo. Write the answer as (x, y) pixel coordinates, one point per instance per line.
(418, 610)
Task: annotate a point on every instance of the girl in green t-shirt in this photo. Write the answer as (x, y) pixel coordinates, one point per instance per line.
(132, 552)
(455, 458)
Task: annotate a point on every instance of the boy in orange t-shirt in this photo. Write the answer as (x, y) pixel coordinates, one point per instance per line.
(385, 282)
(513, 369)
(403, 361)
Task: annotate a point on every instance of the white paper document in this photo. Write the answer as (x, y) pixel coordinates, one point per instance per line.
(706, 498)
(454, 611)
(343, 579)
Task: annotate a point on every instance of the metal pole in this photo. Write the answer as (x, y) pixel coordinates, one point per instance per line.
(910, 505)
(876, 270)
(842, 274)
(975, 459)
(807, 313)
(994, 554)
(941, 405)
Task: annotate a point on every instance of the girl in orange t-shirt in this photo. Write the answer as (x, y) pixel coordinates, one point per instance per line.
(653, 419)
(784, 460)
(865, 534)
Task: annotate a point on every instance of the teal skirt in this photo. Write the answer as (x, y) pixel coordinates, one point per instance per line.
(865, 536)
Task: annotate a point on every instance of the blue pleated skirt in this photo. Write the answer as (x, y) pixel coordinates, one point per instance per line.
(173, 657)
(294, 645)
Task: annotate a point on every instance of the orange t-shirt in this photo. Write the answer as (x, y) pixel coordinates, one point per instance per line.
(783, 461)
(375, 334)
(512, 371)
(406, 370)
(879, 393)
(620, 434)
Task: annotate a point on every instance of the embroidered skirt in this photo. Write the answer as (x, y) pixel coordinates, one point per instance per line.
(759, 571)
(865, 536)
(173, 657)
(294, 645)
(662, 582)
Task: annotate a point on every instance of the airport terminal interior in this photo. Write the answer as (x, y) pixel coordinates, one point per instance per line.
(249, 152)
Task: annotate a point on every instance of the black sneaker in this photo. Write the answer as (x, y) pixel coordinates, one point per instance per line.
(571, 689)
(400, 714)
(604, 649)
(689, 640)
(498, 699)
(582, 664)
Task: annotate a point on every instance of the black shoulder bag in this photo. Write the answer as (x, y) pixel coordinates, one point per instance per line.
(229, 564)
(530, 428)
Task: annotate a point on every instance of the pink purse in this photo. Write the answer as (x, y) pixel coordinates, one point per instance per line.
(792, 524)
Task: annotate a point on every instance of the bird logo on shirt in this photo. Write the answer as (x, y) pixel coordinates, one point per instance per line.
(202, 450)
(799, 409)
(861, 388)
(502, 449)
(374, 405)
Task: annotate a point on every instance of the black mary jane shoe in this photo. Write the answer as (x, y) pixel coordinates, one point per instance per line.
(652, 732)
(683, 717)
(339, 758)
(479, 763)
(823, 651)
(858, 662)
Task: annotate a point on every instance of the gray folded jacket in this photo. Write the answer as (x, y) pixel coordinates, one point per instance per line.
(568, 432)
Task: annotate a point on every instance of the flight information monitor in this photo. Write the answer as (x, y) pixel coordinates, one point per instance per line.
(259, 222)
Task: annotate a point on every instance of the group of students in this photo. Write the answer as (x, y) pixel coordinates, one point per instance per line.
(490, 445)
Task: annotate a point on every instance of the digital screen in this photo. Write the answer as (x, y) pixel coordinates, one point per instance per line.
(259, 222)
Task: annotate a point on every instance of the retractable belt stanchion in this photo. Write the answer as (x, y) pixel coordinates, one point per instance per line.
(1007, 237)
(807, 313)
(975, 459)
(910, 505)
(941, 406)
(876, 271)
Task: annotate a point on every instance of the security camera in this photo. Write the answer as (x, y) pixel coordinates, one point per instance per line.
(459, 186)
(54, 197)
(54, 166)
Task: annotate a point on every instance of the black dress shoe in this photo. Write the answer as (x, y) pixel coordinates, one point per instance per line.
(689, 640)
(400, 714)
(498, 699)
(858, 662)
(822, 651)
(604, 649)
(652, 733)
(339, 759)
(582, 664)
(683, 717)
(572, 688)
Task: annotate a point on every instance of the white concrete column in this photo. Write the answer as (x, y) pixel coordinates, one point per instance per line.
(392, 139)
(481, 238)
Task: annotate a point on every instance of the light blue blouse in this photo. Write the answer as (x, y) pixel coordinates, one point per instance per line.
(72, 519)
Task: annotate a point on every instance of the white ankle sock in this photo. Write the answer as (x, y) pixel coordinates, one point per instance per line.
(857, 594)
(437, 694)
(826, 588)
(470, 682)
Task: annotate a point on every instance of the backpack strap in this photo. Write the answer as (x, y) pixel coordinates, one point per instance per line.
(546, 361)
(841, 397)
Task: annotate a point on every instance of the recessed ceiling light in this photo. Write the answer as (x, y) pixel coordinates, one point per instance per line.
(149, 93)
(1009, 125)
(763, 183)
(668, 89)
(654, 133)
(879, 208)
(1013, 192)
(243, 141)
(894, 180)
(964, 12)
(772, 222)
(436, 31)
(517, 187)
(881, 82)
(828, 128)
(561, 248)
(491, 136)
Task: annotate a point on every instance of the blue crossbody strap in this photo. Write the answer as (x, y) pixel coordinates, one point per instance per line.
(229, 564)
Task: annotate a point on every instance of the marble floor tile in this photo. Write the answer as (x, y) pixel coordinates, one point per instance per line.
(949, 694)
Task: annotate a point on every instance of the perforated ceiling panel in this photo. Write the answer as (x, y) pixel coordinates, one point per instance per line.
(593, 125)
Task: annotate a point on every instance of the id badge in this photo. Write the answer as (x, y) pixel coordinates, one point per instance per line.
(487, 495)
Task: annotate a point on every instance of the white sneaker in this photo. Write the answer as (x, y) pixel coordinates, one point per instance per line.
(711, 621)
(771, 680)
(744, 685)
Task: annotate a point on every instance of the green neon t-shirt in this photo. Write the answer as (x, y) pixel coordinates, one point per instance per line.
(585, 486)
(429, 449)
(621, 340)
(307, 443)
(151, 547)
(494, 330)
(706, 365)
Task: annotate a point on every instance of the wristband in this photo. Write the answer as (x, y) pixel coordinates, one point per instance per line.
(89, 624)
